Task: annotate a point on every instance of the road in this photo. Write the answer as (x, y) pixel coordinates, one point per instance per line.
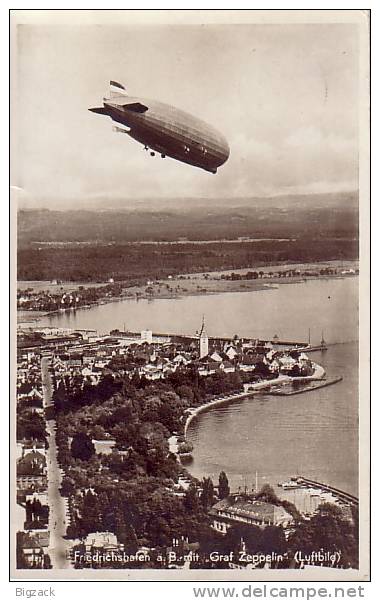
(59, 515)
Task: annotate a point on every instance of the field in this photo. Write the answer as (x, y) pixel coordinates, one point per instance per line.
(134, 246)
(52, 287)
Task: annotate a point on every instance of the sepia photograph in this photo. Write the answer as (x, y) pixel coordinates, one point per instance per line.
(190, 239)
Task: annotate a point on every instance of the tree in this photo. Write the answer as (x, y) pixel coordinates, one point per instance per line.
(268, 495)
(91, 515)
(224, 489)
(185, 447)
(31, 426)
(191, 500)
(47, 562)
(295, 372)
(185, 392)
(67, 487)
(82, 447)
(250, 534)
(330, 530)
(98, 432)
(158, 531)
(60, 396)
(273, 540)
(262, 369)
(334, 532)
(207, 493)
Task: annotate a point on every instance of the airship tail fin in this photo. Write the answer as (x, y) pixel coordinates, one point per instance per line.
(101, 110)
(116, 89)
(121, 130)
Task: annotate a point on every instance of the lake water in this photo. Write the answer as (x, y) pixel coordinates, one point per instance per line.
(314, 434)
(288, 311)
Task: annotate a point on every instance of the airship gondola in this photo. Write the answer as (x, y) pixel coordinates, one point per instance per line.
(165, 129)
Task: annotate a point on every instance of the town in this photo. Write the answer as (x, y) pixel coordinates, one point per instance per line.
(102, 448)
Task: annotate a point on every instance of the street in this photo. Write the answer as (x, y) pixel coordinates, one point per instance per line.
(59, 515)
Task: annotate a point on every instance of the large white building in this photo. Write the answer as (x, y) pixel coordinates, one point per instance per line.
(237, 509)
(147, 336)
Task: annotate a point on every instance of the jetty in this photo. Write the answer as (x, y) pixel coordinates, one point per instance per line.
(310, 348)
(318, 347)
(310, 387)
(343, 496)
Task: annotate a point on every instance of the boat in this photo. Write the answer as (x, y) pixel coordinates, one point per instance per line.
(290, 484)
(322, 346)
(316, 493)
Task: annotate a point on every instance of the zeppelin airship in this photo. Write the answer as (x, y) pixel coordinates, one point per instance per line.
(165, 130)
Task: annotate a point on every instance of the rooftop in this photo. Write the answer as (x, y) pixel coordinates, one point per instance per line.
(250, 508)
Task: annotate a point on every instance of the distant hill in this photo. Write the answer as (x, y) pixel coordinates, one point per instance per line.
(315, 215)
(349, 199)
(186, 204)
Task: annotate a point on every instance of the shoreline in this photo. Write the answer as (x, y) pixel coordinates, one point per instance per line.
(197, 285)
(259, 388)
(319, 374)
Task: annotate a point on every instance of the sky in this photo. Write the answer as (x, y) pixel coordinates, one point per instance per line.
(284, 96)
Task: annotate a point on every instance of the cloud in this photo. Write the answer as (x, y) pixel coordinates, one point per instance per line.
(288, 109)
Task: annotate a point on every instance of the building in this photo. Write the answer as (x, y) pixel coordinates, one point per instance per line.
(98, 549)
(31, 471)
(104, 541)
(245, 509)
(216, 357)
(231, 352)
(30, 551)
(147, 336)
(203, 341)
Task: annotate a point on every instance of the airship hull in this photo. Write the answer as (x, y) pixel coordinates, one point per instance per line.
(169, 131)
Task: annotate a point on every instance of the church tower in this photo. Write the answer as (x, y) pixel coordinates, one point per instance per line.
(203, 340)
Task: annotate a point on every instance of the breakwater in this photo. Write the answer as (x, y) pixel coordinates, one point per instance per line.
(309, 388)
(340, 494)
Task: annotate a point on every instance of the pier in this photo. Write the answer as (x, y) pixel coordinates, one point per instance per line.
(343, 496)
(309, 388)
(318, 347)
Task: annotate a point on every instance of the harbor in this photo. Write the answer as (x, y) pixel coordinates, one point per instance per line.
(307, 494)
(315, 435)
